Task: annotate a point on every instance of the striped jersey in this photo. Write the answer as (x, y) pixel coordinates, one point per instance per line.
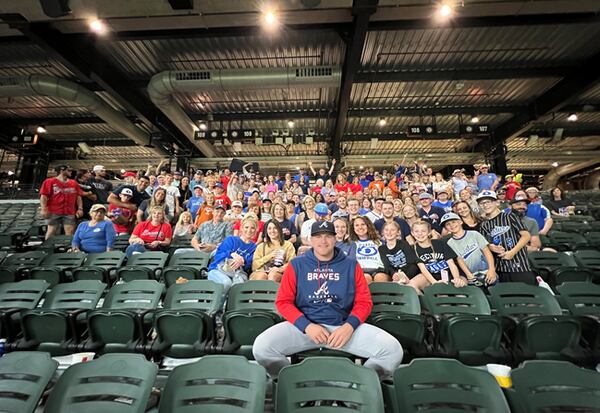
(504, 230)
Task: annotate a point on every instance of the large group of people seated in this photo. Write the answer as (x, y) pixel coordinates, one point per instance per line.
(405, 224)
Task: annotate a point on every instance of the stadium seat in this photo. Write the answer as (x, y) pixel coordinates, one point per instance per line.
(144, 266)
(443, 385)
(215, 384)
(558, 267)
(124, 321)
(463, 325)
(188, 265)
(56, 268)
(590, 260)
(121, 242)
(535, 324)
(583, 301)
(576, 227)
(18, 264)
(180, 242)
(553, 386)
(250, 311)
(593, 238)
(101, 267)
(14, 298)
(58, 325)
(115, 383)
(565, 241)
(56, 244)
(397, 310)
(318, 382)
(3, 255)
(185, 326)
(23, 379)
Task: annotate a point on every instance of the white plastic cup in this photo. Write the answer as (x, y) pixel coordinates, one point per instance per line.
(501, 373)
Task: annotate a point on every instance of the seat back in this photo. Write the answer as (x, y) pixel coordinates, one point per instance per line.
(588, 258)
(551, 260)
(393, 297)
(328, 379)
(121, 242)
(445, 299)
(23, 378)
(134, 295)
(56, 243)
(519, 300)
(201, 295)
(446, 385)
(581, 299)
(24, 294)
(116, 383)
(196, 259)
(149, 259)
(253, 295)
(64, 260)
(107, 260)
(215, 384)
(567, 238)
(77, 295)
(24, 259)
(553, 386)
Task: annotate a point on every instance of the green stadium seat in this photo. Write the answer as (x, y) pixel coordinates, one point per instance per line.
(144, 266)
(188, 265)
(56, 268)
(215, 384)
(590, 260)
(593, 238)
(558, 267)
(576, 227)
(58, 325)
(185, 326)
(250, 311)
(115, 383)
(14, 298)
(124, 321)
(24, 376)
(534, 322)
(16, 265)
(121, 242)
(397, 310)
(56, 244)
(565, 241)
(317, 384)
(463, 325)
(553, 386)
(443, 385)
(100, 266)
(3, 255)
(180, 242)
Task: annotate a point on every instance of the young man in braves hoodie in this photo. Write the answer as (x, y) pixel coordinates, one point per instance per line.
(325, 299)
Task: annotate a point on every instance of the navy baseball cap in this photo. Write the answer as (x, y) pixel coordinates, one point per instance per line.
(322, 227)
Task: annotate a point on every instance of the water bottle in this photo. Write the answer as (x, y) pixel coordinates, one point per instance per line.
(2, 346)
(544, 284)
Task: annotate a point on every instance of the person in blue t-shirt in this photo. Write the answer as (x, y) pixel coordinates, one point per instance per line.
(443, 201)
(484, 179)
(95, 235)
(195, 202)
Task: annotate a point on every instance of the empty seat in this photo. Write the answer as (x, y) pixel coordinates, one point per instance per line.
(188, 265)
(464, 327)
(215, 384)
(23, 378)
(534, 322)
(553, 386)
(397, 310)
(328, 381)
(123, 323)
(18, 264)
(184, 326)
(115, 383)
(57, 327)
(250, 311)
(557, 268)
(56, 268)
(144, 266)
(56, 244)
(443, 385)
(100, 266)
(121, 242)
(589, 259)
(576, 227)
(565, 241)
(593, 238)
(14, 298)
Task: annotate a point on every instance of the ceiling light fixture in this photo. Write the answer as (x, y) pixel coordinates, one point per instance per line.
(290, 123)
(474, 119)
(382, 122)
(40, 129)
(572, 117)
(555, 164)
(98, 26)
(203, 126)
(270, 19)
(445, 11)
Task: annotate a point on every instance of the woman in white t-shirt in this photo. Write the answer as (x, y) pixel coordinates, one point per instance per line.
(366, 238)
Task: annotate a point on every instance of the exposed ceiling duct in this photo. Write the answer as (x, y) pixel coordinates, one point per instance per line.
(552, 177)
(163, 85)
(64, 89)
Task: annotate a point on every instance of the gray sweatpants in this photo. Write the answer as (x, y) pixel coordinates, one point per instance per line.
(382, 351)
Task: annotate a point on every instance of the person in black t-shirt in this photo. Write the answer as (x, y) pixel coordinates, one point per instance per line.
(398, 256)
(430, 213)
(437, 257)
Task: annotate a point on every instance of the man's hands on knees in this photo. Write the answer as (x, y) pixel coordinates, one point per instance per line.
(317, 333)
(340, 336)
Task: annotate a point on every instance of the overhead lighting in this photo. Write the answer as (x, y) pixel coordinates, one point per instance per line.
(555, 164)
(41, 129)
(270, 19)
(474, 119)
(360, 167)
(203, 126)
(445, 10)
(98, 26)
(297, 168)
(572, 117)
(382, 122)
(290, 123)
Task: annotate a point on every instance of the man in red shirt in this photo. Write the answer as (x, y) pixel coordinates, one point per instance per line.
(325, 299)
(61, 203)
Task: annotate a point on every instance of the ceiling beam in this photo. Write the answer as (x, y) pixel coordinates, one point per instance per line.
(401, 136)
(361, 11)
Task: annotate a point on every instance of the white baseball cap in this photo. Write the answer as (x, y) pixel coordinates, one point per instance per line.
(126, 191)
(98, 168)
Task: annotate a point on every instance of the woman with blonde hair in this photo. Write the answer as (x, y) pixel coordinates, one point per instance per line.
(253, 213)
(184, 225)
(308, 206)
(272, 256)
(155, 234)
